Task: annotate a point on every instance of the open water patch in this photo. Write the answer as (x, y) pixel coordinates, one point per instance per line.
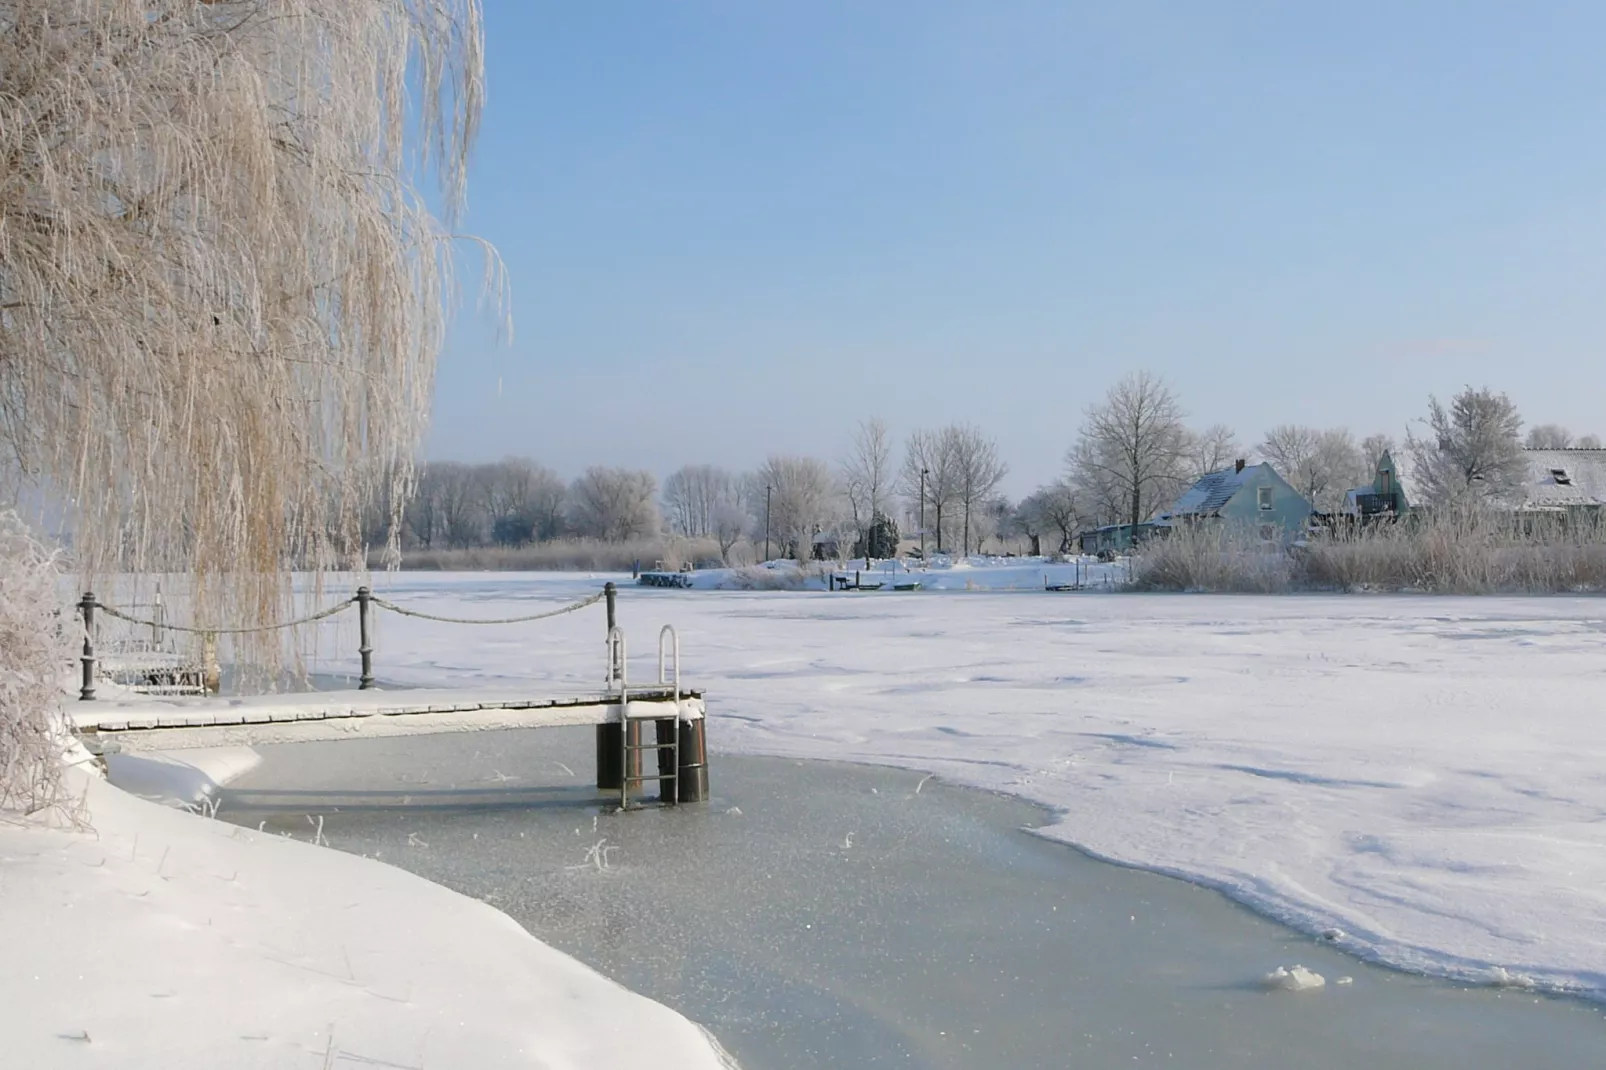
(820, 915)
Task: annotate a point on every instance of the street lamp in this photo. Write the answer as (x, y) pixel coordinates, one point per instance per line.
(767, 489)
(923, 473)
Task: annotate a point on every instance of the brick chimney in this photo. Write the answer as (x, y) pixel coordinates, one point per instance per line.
(1240, 467)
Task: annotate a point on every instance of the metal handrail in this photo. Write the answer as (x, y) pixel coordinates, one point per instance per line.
(668, 632)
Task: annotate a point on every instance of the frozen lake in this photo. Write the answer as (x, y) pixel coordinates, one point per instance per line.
(826, 915)
(1426, 775)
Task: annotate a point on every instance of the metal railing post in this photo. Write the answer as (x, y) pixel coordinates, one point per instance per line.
(87, 607)
(364, 648)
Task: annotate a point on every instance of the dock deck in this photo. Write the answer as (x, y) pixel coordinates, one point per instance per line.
(146, 722)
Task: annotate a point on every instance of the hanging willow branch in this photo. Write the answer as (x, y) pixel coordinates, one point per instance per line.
(222, 293)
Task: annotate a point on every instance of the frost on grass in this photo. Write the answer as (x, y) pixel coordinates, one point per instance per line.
(1295, 978)
(36, 641)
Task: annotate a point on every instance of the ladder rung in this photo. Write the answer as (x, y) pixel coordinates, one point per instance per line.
(644, 779)
(651, 746)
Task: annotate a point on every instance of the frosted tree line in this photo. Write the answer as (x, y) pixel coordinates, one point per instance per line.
(1134, 454)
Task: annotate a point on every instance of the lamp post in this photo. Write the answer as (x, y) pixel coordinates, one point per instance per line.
(767, 489)
(923, 473)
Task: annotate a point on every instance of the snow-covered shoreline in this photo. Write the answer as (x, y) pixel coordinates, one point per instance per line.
(159, 939)
(1419, 777)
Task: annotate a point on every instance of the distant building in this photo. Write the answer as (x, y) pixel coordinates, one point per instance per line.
(1564, 481)
(1381, 500)
(1117, 538)
(1253, 497)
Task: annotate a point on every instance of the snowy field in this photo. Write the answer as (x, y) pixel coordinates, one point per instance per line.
(1422, 779)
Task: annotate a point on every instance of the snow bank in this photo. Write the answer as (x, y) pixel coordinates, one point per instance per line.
(163, 941)
(975, 573)
(1295, 978)
(1420, 775)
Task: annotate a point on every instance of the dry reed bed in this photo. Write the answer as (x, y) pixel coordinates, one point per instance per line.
(1467, 554)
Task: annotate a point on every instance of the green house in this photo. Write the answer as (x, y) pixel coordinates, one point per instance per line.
(1252, 497)
(1383, 499)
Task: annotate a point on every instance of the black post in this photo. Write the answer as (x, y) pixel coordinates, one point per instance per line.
(923, 472)
(691, 778)
(87, 608)
(766, 521)
(364, 647)
(610, 737)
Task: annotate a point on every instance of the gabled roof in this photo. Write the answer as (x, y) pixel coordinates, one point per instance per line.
(1213, 491)
(1560, 478)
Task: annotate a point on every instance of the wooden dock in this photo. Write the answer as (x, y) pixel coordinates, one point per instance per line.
(172, 723)
(150, 723)
(154, 718)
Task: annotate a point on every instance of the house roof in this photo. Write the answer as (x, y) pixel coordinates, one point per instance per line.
(1559, 478)
(1213, 491)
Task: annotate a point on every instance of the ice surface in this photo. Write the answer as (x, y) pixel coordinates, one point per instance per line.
(160, 940)
(1422, 774)
(942, 938)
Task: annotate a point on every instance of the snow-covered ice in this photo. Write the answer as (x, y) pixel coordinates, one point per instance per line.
(163, 940)
(1424, 776)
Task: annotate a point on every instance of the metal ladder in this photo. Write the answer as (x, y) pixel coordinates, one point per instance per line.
(617, 680)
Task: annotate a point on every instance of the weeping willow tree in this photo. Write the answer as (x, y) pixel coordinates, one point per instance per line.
(222, 289)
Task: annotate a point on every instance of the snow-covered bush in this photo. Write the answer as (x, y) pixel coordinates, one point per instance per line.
(783, 577)
(36, 645)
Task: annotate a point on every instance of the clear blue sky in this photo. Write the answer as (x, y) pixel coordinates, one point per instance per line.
(736, 228)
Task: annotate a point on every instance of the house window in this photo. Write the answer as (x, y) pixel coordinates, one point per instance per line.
(1561, 477)
(1263, 496)
(1385, 474)
(1268, 533)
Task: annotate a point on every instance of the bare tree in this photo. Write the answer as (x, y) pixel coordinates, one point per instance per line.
(729, 523)
(1588, 442)
(800, 500)
(1472, 451)
(614, 504)
(1549, 437)
(1211, 450)
(1051, 509)
(521, 497)
(866, 475)
(693, 496)
(223, 290)
(1132, 446)
(1321, 465)
(1375, 446)
(547, 503)
(977, 472)
(930, 477)
(460, 499)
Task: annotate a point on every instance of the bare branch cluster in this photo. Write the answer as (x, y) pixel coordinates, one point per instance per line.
(221, 292)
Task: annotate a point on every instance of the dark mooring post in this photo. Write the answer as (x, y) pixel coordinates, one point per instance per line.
(364, 648)
(87, 607)
(691, 778)
(610, 737)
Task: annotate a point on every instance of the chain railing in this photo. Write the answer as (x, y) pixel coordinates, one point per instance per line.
(365, 600)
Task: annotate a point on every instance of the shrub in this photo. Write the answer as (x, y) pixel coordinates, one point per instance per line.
(36, 649)
(569, 555)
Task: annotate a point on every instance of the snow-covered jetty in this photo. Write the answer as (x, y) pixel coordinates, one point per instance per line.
(621, 711)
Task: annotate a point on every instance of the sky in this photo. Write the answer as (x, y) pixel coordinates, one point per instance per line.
(736, 229)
